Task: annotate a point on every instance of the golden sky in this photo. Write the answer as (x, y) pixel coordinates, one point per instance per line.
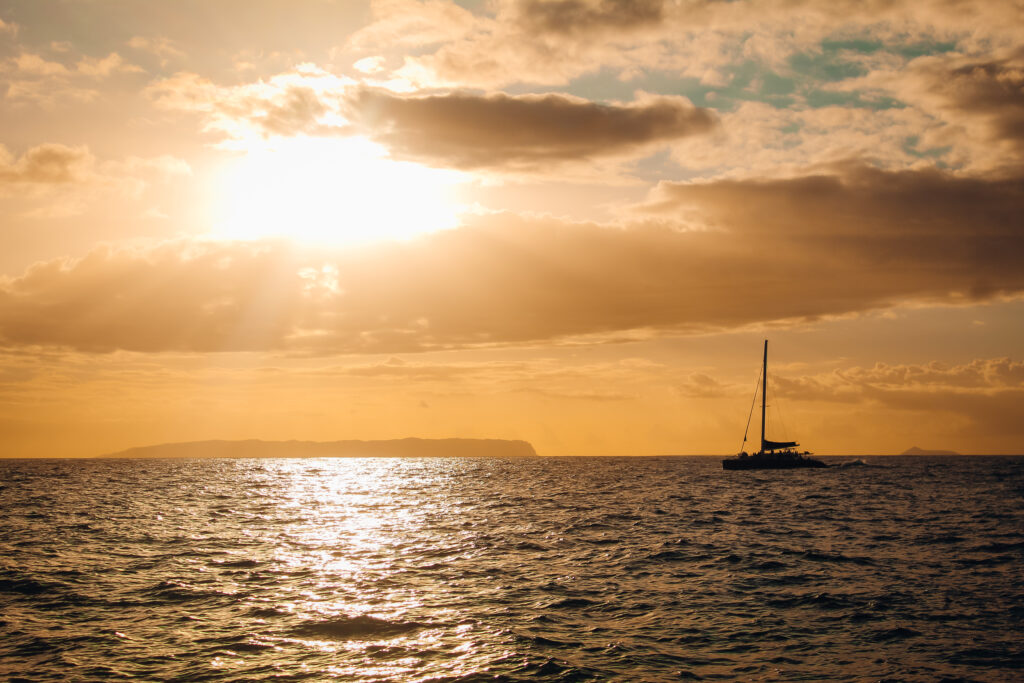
(566, 221)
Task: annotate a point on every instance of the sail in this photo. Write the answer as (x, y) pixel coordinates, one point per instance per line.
(776, 445)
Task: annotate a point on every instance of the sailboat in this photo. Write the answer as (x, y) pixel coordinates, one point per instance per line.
(773, 455)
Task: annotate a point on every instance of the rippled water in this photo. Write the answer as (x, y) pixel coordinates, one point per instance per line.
(537, 569)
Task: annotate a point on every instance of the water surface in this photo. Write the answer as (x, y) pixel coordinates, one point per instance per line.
(638, 569)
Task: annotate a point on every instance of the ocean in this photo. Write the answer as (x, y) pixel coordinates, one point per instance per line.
(555, 569)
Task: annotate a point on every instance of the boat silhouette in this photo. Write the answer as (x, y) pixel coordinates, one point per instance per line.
(773, 455)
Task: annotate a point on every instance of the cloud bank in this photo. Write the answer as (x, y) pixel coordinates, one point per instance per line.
(552, 42)
(983, 394)
(718, 255)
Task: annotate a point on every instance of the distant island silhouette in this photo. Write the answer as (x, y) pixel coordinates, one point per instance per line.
(391, 448)
(914, 450)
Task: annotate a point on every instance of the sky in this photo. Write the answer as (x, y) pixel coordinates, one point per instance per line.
(573, 222)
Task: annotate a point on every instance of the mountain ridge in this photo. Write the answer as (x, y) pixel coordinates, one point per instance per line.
(411, 447)
(914, 450)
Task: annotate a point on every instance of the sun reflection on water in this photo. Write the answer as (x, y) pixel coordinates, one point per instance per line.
(348, 525)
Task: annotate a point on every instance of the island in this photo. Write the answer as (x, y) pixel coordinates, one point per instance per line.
(914, 450)
(391, 448)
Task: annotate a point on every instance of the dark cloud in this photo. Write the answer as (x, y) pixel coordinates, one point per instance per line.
(991, 91)
(994, 89)
(505, 131)
(581, 16)
(906, 233)
(853, 240)
(984, 413)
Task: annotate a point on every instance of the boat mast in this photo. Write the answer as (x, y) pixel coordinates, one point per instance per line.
(764, 390)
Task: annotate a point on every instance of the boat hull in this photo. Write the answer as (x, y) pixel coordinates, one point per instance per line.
(771, 461)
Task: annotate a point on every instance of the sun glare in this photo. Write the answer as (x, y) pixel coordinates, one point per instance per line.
(333, 192)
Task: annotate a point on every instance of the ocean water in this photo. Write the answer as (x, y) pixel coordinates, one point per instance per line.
(560, 569)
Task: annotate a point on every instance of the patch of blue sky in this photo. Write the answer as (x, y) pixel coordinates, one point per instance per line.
(605, 85)
(827, 66)
(751, 80)
(817, 98)
(911, 146)
(851, 45)
(805, 80)
(912, 50)
(477, 6)
(745, 81)
(816, 72)
(867, 47)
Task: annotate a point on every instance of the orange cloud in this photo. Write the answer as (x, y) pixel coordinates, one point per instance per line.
(47, 164)
(170, 298)
(305, 100)
(981, 397)
(553, 41)
(721, 255)
(163, 48)
(32, 78)
(58, 180)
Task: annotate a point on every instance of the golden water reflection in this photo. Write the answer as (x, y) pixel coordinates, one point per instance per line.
(349, 525)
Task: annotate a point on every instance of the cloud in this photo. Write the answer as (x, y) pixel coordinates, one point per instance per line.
(45, 165)
(468, 131)
(983, 395)
(975, 106)
(297, 111)
(101, 68)
(53, 165)
(168, 298)
(984, 95)
(580, 16)
(303, 101)
(161, 47)
(479, 131)
(984, 374)
(710, 256)
(758, 140)
(551, 42)
(28, 64)
(413, 23)
(914, 234)
(369, 65)
(988, 376)
(700, 385)
(66, 180)
(33, 78)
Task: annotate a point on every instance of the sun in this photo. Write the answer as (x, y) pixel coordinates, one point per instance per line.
(331, 192)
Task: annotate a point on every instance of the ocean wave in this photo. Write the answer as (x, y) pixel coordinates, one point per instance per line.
(176, 593)
(548, 569)
(354, 628)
